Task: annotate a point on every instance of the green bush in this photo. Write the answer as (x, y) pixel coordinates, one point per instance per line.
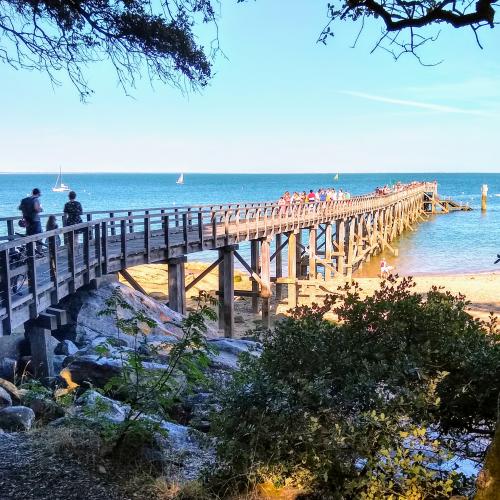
(365, 408)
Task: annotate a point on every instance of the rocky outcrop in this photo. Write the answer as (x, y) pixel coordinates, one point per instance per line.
(5, 399)
(16, 418)
(86, 324)
(94, 405)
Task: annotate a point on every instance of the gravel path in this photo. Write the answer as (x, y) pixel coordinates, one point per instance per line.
(27, 474)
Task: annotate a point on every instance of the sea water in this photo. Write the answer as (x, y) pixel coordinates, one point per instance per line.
(459, 242)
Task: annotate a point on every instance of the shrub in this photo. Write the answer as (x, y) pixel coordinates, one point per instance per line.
(367, 408)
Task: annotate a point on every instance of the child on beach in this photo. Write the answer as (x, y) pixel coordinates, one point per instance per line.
(385, 269)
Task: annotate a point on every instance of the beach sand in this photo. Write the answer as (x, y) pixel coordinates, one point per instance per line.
(481, 289)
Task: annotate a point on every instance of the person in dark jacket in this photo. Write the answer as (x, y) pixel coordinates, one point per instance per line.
(73, 210)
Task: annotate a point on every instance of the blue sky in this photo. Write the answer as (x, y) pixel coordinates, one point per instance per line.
(279, 102)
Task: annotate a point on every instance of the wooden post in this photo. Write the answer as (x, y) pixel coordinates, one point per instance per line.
(254, 264)
(226, 291)
(292, 270)
(328, 250)
(340, 240)
(265, 275)
(484, 197)
(42, 357)
(279, 267)
(312, 252)
(298, 252)
(176, 284)
(350, 246)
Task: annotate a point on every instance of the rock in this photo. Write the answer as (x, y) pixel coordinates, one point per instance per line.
(238, 318)
(229, 351)
(5, 399)
(191, 450)
(58, 362)
(8, 368)
(11, 389)
(16, 418)
(66, 348)
(12, 346)
(45, 409)
(92, 369)
(92, 404)
(86, 324)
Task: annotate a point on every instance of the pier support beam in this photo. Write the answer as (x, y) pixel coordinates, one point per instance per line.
(340, 241)
(254, 264)
(292, 270)
(265, 275)
(279, 266)
(312, 252)
(226, 291)
(177, 284)
(328, 250)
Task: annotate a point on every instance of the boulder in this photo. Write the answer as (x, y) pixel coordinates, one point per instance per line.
(92, 369)
(92, 404)
(11, 389)
(8, 368)
(5, 399)
(66, 348)
(228, 352)
(16, 418)
(86, 324)
(98, 371)
(45, 409)
(58, 362)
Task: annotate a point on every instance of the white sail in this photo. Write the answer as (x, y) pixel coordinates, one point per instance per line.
(180, 180)
(59, 186)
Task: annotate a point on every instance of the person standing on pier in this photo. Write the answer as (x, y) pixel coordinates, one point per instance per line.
(31, 209)
(73, 210)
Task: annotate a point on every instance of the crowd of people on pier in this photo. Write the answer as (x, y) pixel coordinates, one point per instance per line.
(332, 194)
(322, 194)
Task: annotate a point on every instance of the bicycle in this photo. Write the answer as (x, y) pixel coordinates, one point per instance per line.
(18, 256)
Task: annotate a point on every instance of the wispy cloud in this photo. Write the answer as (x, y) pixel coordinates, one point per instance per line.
(415, 104)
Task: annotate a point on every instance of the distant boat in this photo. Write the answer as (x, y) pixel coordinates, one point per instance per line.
(336, 177)
(60, 187)
(180, 180)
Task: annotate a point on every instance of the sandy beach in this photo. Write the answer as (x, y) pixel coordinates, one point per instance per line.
(481, 289)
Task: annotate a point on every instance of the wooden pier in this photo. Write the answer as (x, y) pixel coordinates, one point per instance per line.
(325, 240)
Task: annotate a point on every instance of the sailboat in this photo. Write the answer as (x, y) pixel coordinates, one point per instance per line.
(336, 177)
(180, 180)
(59, 186)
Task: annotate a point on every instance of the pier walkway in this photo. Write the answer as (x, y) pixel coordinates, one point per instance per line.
(325, 240)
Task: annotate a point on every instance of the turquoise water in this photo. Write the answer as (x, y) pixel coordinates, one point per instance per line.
(458, 242)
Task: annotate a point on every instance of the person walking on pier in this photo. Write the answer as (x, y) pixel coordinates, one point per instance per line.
(31, 209)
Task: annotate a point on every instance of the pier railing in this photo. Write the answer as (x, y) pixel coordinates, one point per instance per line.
(56, 263)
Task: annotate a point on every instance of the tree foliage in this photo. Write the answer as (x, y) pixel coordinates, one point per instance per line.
(135, 35)
(368, 408)
(404, 21)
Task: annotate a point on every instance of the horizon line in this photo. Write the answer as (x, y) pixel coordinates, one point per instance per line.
(333, 172)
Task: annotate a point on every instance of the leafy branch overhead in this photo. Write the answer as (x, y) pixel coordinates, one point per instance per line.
(404, 21)
(136, 36)
(158, 38)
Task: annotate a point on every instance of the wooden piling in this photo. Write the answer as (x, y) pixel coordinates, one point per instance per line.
(312, 252)
(484, 197)
(279, 266)
(177, 284)
(265, 275)
(254, 264)
(292, 270)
